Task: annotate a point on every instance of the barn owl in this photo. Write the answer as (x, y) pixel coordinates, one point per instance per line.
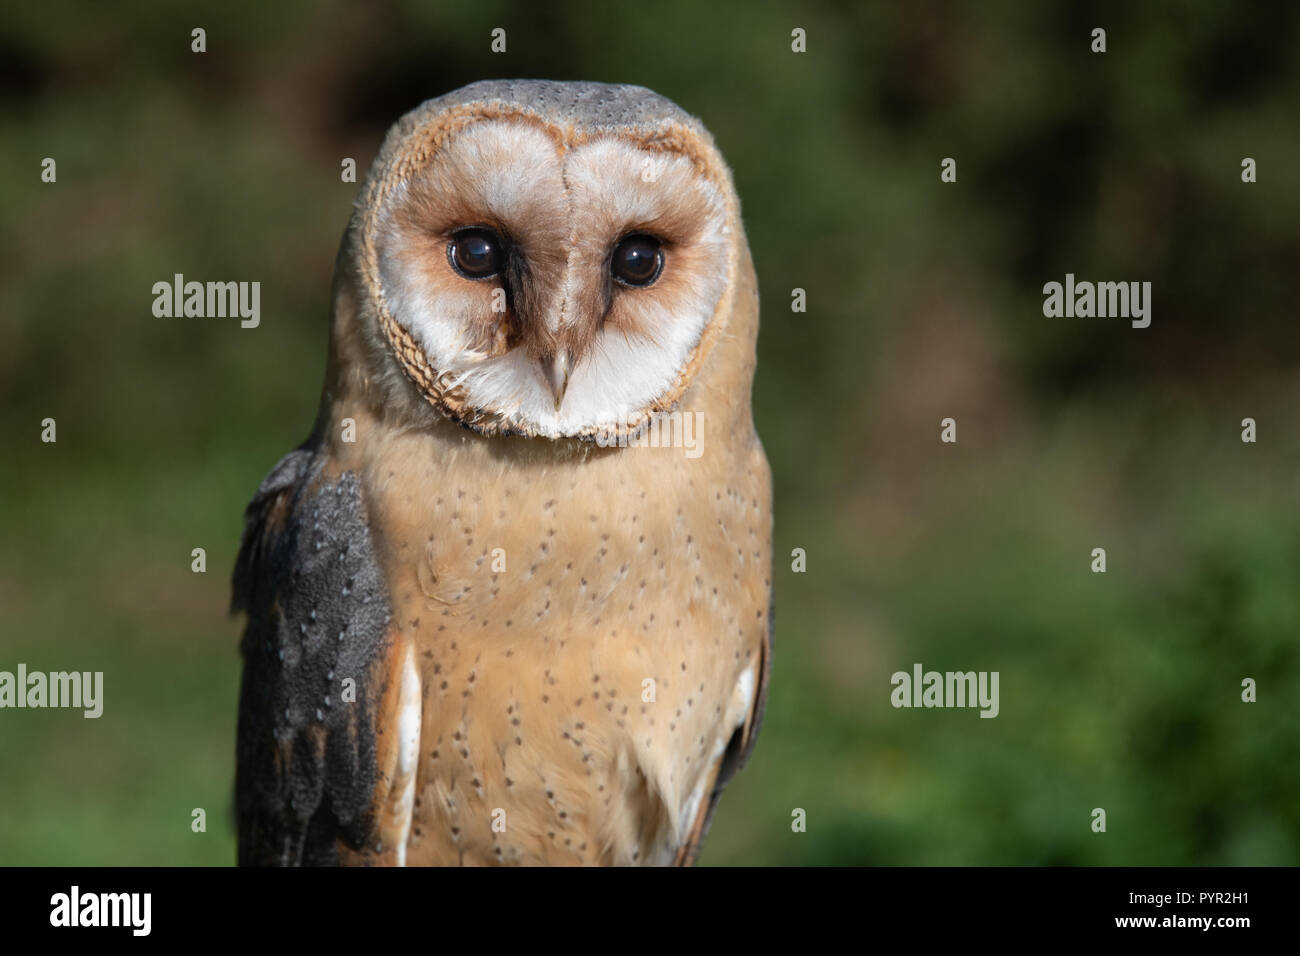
(489, 620)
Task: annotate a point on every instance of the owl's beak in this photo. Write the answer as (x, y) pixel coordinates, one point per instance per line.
(556, 373)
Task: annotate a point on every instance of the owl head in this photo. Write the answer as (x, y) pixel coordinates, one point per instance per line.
(545, 259)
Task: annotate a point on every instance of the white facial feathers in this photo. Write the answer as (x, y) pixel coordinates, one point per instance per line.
(561, 211)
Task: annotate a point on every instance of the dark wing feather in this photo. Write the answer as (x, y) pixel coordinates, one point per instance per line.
(317, 614)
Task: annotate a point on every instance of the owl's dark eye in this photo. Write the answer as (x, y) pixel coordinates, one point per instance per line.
(476, 253)
(637, 260)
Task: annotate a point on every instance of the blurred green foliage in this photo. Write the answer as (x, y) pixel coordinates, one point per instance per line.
(1118, 691)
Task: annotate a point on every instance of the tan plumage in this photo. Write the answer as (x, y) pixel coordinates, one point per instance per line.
(503, 716)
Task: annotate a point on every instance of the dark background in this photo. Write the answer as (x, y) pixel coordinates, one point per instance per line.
(1118, 690)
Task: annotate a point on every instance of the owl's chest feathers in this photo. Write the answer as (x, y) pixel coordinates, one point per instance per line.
(577, 631)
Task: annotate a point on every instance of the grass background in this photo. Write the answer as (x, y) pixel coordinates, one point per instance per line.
(1119, 691)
